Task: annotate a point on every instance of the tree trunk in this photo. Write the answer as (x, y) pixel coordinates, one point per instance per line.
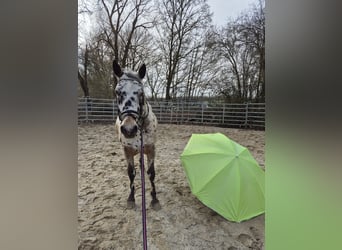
(83, 84)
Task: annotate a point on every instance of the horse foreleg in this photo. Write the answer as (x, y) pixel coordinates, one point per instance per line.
(131, 174)
(150, 161)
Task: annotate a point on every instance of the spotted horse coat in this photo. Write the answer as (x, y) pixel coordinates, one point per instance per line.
(135, 114)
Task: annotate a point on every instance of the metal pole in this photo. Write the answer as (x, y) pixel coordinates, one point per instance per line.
(113, 109)
(246, 115)
(182, 119)
(202, 111)
(171, 112)
(86, 109)
(160, 110)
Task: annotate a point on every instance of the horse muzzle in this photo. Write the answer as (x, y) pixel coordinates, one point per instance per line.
(129, 127)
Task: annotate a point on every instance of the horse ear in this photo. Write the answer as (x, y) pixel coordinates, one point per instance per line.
(142, 71)
(117, 69)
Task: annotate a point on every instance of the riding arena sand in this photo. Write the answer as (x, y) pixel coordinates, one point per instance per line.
(183, 222)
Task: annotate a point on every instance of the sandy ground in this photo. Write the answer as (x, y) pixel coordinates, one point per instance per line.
(183, 221)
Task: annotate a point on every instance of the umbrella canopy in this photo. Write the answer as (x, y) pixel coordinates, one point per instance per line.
(224, 176)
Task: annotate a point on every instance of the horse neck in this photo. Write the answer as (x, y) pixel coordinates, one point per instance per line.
(146, 109)
(145, 113)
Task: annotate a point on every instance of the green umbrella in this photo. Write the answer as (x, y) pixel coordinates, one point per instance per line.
(224, 176)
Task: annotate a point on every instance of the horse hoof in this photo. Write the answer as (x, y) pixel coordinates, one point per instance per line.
(155, 205)
(130, 204)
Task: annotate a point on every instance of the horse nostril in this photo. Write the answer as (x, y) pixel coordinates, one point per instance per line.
(135, 129)
(123, 130)
(129, 133)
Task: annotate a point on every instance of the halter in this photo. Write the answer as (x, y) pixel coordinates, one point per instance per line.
(139, 117)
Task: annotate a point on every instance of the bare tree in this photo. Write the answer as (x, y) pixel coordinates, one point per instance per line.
(120, 33)
(84, 79)
(185, 56)
(240, 47)
(179, 20)
(200, 68)
(100, 68)
(123, 19)
(254, 27)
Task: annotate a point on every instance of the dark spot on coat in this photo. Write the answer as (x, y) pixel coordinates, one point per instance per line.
(120, 100)
(128, 103)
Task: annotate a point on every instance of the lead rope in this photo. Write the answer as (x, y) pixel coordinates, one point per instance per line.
(142, 170)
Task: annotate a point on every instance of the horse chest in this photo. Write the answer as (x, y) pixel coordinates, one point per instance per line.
(135, 142)
(149, 137)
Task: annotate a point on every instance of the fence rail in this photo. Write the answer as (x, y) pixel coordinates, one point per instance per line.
(247, 115)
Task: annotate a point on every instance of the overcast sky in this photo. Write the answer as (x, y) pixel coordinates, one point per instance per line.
(224, 9)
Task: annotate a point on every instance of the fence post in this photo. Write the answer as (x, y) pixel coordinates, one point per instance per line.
(246, 115)
(182, 119)
(177, 113)
(171, 109)
(223, 112)
(202, 111)
(86, 109)
(113, 110)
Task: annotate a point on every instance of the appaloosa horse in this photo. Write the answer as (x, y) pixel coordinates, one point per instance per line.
(135, 114)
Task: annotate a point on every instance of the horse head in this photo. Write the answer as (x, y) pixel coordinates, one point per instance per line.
(130, 98)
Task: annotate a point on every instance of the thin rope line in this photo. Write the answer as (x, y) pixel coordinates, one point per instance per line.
(143, 210)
